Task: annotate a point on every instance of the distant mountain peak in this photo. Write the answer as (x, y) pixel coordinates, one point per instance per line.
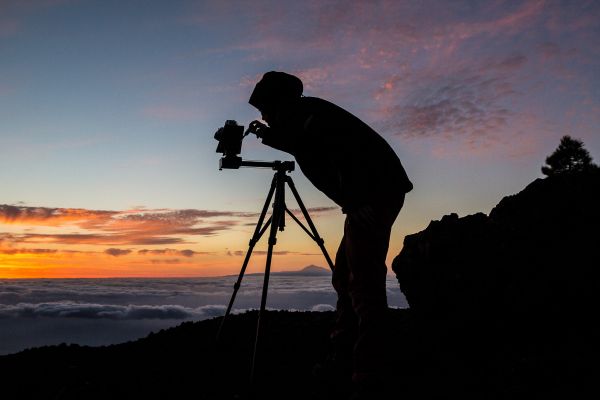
(312, 270)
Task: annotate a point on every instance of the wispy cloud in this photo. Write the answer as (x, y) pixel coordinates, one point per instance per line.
(468, 103)
(10, 214)
(457, 73)
(430, 93)
(11, 251)
(316, 210)
(170, 252)
(115, 239)
(117, 228)
(117, 252)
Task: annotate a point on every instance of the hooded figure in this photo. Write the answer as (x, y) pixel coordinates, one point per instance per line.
(357, 169)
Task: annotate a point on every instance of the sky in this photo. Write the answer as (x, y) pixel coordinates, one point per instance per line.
(108, 110)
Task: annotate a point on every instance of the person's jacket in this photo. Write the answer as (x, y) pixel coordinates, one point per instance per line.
(341, 155)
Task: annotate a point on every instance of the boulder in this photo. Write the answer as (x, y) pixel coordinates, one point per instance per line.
(537, 252)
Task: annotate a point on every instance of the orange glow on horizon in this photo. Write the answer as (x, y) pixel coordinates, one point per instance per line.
(151, 263)
(39, 242)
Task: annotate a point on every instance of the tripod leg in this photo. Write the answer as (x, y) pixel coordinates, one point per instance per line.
(258, 232)
(313, 228)
(278, 212)
(238, 283)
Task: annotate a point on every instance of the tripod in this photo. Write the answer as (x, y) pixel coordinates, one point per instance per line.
(276, 222)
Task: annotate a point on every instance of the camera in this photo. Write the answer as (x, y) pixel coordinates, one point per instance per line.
(230, 138)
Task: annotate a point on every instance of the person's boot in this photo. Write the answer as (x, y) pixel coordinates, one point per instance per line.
(370, 358)
(336, 368)
(368, 386)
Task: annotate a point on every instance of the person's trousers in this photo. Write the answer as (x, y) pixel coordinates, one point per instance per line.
(359, 278)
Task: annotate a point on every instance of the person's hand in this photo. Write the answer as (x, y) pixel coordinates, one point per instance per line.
(258, 128)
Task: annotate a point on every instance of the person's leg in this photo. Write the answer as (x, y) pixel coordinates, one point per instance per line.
(345, 329)
(336, 368)
(367, 236)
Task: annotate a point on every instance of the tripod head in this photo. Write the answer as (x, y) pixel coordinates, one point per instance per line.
(235, 162)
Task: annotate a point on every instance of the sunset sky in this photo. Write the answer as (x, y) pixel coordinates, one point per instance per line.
(108, 110)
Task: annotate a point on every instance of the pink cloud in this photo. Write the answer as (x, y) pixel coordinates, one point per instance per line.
(509, 23)
(578, 17)
(464, 103)
(10, 214)
(99, 227)
(366, 54)
(459, 72)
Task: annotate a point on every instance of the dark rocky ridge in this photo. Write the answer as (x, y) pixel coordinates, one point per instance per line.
(536, 252)
(502, 307)
(521, 286)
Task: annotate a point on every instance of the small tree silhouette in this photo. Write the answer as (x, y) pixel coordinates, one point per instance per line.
(570, 156)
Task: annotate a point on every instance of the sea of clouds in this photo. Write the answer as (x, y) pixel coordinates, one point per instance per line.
(37, 312)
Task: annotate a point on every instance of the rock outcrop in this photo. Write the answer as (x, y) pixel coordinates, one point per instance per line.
(521, 285)
(537, 250)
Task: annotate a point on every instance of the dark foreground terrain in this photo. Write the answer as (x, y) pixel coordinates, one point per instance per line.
(425, 361)
(503, 306)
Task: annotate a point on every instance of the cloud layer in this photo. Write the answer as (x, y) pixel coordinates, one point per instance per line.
(35, 312)
(69, 309)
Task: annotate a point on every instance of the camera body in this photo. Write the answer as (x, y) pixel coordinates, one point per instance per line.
(230, 138)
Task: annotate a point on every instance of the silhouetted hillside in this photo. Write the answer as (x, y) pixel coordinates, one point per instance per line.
(184, 362)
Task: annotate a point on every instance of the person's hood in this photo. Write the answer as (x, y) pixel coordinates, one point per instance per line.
(275, 87)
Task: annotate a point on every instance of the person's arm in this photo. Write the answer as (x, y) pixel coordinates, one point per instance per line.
(272, 137)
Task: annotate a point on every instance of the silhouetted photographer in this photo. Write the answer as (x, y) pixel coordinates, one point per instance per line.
(357, 169)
